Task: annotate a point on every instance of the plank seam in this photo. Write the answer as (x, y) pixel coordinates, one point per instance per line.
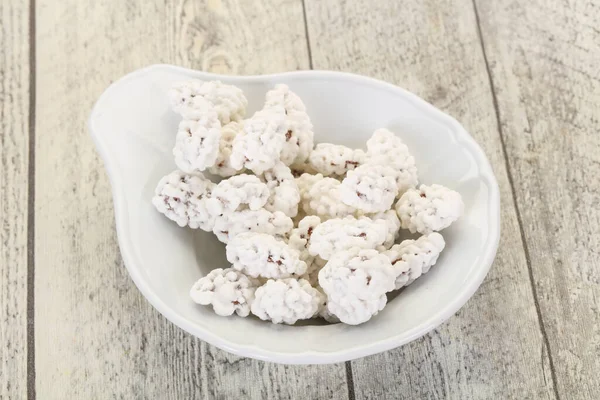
(310, 60)
(350, 381)
(516, 205)
(31, 395)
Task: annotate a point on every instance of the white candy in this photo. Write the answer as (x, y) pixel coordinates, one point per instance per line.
(340, 234)
(259, 254)
(383, 140)
(182, 198)
(393, 224)
(299, 136)
(281, 95)
(222, 166)
(334, 159)
(276, 224)
(284, 198)
(197, 142)
(227, 290)
(305, 182)
(286, 301)
(352, 310)
(324, 200)
(230, 193)
(187, 98)
(285, 195)
(385, 148)
(370, 188)
(429, 208)
(412, 258)
(326, 314)
(259, 145)
(300, 237)
(355, 282)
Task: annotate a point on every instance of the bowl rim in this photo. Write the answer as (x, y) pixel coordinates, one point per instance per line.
(486, 174)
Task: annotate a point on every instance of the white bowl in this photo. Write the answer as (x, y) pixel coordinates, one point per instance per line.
(134, 129)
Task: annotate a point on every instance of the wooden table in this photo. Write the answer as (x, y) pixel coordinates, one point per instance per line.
(523, 76)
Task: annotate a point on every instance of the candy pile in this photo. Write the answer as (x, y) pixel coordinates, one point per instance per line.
(310, 230)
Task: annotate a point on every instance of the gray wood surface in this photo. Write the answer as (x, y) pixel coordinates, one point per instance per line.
(545, 67)
(522, 76)
(14, 139)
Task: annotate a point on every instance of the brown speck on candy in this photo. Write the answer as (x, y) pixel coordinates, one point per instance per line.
(166, 201)
(235, 302)
(363, 234)
(270, 259)
(423, 194)
(355, 163)
(288, 135)
(368, 280)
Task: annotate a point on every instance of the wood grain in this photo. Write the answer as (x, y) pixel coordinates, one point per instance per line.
(493, 348)
(544, 59)
(14, 144)
(244, 38)
(529, 95)
(96, 336)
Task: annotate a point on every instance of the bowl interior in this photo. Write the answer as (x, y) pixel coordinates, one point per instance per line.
(135, 129)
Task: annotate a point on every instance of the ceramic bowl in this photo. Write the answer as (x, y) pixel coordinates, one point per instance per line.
(134, 130)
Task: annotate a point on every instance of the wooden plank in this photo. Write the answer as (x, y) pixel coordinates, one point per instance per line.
(493, 348)
(96, 336)
(544, 58)
(14, 145)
